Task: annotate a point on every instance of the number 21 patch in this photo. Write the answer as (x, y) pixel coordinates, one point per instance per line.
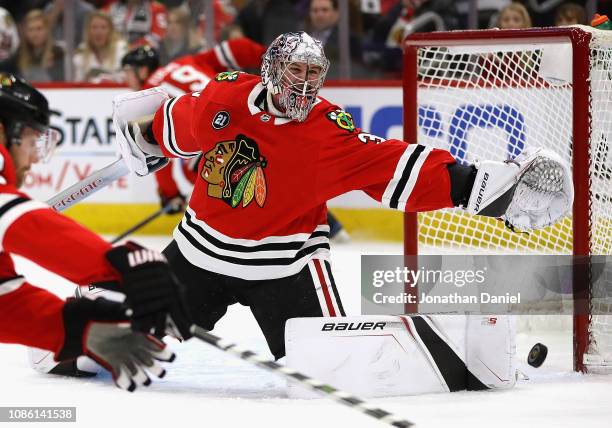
(221, 120)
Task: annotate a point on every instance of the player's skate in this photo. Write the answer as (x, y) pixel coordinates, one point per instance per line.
(42, 360)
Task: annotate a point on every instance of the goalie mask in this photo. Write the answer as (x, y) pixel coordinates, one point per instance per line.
(295, 66)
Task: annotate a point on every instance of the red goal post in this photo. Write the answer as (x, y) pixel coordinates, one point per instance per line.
(488, 94)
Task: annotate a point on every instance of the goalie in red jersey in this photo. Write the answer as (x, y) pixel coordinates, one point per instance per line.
(272, 153)
(190, 74)
(33, 316)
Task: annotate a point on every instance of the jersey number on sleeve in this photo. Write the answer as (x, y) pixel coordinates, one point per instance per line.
(187, 74)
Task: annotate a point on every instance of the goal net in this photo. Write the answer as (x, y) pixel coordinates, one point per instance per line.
(489, 95)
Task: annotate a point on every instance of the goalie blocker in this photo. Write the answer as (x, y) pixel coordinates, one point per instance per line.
(378, 356)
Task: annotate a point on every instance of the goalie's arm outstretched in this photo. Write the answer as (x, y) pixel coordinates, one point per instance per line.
(532, 191)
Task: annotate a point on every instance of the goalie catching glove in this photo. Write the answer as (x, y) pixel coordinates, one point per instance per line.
(151, 290)
(533, 191)
(101, 330)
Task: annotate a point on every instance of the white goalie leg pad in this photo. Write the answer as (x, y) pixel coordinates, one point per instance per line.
(371, 356)
(380, 356)
(128, 111)
(533, 191)
(491, 350)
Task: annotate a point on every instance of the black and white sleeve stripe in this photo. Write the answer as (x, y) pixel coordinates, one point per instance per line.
(405, 176)
(169, 139)
(12, 207)
(226, 57)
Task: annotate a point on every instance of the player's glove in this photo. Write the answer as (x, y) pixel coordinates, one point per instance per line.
(151, 291)
(101, 330)
(175, 204)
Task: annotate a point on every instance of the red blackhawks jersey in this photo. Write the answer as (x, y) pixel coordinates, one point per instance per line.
(30, 315)
(258, 208)
(192, 73)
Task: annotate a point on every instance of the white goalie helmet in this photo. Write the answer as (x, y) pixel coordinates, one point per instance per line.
(297, 94)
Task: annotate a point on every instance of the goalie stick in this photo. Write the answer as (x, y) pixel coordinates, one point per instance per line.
(105, 176)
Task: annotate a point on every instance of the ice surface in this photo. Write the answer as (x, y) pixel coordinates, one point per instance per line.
(207, 388)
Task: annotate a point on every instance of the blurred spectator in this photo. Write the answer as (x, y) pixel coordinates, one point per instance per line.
(9, 38)
(323, 19)
(18, 9)
(322, 24)
(383, 48)
(570, 14)
(263, 20)
(38, 58)
(516, 67)
(487, 12)
(139, 21)
(55, 11)
(99, 56)
(407, 11)
(513, 16)
(181, 38)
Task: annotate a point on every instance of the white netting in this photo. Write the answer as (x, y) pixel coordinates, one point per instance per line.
(490, 100)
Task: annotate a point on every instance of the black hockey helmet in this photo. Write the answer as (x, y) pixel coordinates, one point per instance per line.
(22, 105)
(20, 102)
(142, 55)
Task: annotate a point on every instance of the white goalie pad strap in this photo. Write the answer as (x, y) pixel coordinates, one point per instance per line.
(134, 107)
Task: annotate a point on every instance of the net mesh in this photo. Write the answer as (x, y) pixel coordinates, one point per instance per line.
(491, 101)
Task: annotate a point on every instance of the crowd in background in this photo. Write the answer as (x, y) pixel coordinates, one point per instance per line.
(32, 43)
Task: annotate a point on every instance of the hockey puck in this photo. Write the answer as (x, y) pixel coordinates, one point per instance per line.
(537, 355)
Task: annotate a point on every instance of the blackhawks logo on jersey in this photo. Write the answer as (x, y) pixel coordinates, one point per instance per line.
(234, 171)
(342, 119)
(227, 76)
